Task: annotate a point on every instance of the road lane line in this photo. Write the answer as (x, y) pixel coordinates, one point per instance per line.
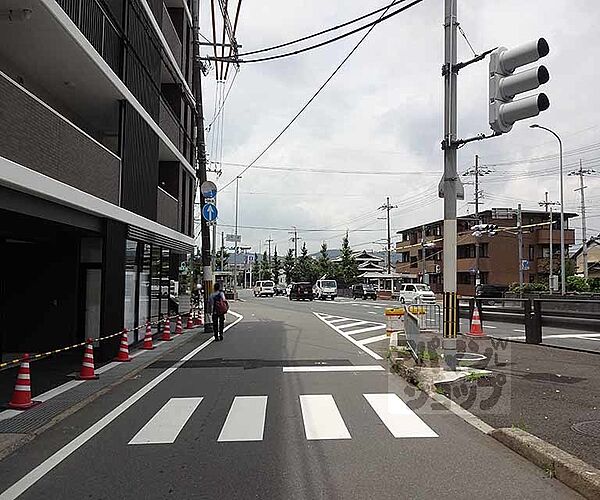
(166, 424)
(493, 327)
(367, 329)
(372, 312)
(374, 355)
(47, 465)
(396, 415)
(322, 419)
(245, 420)
(355, 323)
(519, 331)
(370, 340)
(343, 368)
(338, 320)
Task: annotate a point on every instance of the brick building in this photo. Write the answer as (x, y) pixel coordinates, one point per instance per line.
(96, 177)
(498, 259)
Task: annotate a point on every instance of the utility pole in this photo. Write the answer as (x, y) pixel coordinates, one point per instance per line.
(295, 240)
(200, 164)
(235, 252)
(520, 243)
(450, 184)
(423, 252)
(581, 173)
(269, 242)
(222, 250)
(388, 207)
(548, 205)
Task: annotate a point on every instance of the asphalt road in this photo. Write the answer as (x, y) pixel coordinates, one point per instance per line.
(292, 404)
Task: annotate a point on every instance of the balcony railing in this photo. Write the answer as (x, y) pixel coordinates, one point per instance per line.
(543, 237)
(91, 19)
(171, 36)
(169, 124)
(36, 136)
(166, 209)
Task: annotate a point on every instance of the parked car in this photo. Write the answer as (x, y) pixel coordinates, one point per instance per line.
(488, 292)
(264, 288)
(301, 291)
(416, 292)
(325, 289)
(279, 290)
(362, 291)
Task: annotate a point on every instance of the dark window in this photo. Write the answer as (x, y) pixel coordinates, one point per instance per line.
(531, 252)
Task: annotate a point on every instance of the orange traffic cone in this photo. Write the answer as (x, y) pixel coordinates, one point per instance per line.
(476, 326)
(179, 326)
(21, 398)
(87, 366)
(197, 318)
(190, 321)
(148, 337)
(200, 318)
(123, 354)
(166, 334)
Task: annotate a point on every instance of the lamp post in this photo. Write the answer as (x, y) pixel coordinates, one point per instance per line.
(562, 210)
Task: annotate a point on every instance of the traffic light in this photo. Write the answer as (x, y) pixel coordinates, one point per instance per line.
(484, 229)
(505, 84)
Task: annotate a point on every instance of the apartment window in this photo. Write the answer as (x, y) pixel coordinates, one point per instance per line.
(531, 252)
(131, 279)
(465, 252)
(405, 257)
(465, 278)
(437, 230)
(484, 250)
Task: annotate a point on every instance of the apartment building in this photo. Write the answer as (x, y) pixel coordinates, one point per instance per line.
(421, 249)
(96, 166)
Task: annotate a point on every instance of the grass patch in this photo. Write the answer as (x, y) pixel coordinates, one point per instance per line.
(473, 376)
(429, 356)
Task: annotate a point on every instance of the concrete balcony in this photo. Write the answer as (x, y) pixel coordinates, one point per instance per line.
(168, 123)
(36, 136)
(543, 237)
(171, 36)
(465, 265)
(167, 208)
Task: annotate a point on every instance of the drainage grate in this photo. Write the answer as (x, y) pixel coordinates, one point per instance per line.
(589, 428)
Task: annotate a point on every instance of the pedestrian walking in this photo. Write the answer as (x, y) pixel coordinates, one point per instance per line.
(219, 307)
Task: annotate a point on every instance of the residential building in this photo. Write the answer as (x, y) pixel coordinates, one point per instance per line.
(593, 259)
(421, 249)
(96, 167)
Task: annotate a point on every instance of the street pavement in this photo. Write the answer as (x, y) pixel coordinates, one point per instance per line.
(294, 403)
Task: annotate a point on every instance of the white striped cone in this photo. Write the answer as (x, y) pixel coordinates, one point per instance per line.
(179, 326)
(21, 398)
(166, 334)
(87, 366)
(476, 327)
(123, 354)
(148, 337)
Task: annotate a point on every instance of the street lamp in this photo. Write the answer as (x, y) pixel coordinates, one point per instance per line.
(562, 210)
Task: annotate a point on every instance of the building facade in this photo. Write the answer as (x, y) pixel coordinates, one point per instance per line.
(593, 259)
(96, 178)
(421, 249)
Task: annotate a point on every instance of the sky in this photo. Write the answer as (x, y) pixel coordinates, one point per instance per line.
(375, 130)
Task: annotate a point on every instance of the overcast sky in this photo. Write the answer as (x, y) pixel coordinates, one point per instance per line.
(383, 113)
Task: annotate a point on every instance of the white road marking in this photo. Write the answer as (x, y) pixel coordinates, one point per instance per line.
(166, 424)
(347, 337)
(493, 327)
(372, 312)
(338, 320)
(379, 326)
(343, 368)
(322, 419)
(370, 340)
(588, 338)
(353, 324)
(245, 420)
(6, 414)
(60, 389)
(47, 465)
(520, 331)
(400, 420)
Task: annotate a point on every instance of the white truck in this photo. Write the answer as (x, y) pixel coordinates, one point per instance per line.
(325, 289)
(262, 288)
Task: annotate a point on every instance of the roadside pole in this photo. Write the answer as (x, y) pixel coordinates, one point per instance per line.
(200, 160)
(235, 251)
(520, 243)
(449, 185)
(477, 273)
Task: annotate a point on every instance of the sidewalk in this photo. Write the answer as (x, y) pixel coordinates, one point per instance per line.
(62, 395)
(549, 392)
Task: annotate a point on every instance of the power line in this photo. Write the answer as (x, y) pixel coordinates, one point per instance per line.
(370, 25)
(222, 105)
(314, 96)
(328, 30)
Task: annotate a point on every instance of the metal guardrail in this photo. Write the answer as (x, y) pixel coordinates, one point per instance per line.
(422, 327)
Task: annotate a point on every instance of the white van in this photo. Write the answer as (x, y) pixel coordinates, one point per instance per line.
(325, 289)
(416, 292)
(264, 288)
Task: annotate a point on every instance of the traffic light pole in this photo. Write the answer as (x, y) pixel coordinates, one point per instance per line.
(207, 275)
(449, 185)
(477, 244)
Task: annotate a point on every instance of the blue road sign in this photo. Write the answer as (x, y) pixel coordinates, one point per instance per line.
(208, 189)
(209, 212)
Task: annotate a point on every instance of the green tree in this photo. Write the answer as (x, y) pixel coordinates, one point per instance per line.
(323, 262)
(577, 284)
(306, 266)
(265, 267)
(276, 267)
(348, 268)
(255, 269)
(288, 266)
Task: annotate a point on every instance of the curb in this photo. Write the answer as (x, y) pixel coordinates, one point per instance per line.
(23, 439)
(569, 470)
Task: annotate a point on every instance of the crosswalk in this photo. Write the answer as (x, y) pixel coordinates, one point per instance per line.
(352, 329)
(321, 418)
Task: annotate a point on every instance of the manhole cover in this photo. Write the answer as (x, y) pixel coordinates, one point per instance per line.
(589, 428)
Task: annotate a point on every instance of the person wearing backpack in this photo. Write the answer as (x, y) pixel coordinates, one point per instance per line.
(219, 308)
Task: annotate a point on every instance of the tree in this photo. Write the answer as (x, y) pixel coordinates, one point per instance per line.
(265, 267)
(577, 284)
(348, 270)
(275, 267)
(288, 266)
(225, 254)
(255, 268)
(323, 263)
(305, 267)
